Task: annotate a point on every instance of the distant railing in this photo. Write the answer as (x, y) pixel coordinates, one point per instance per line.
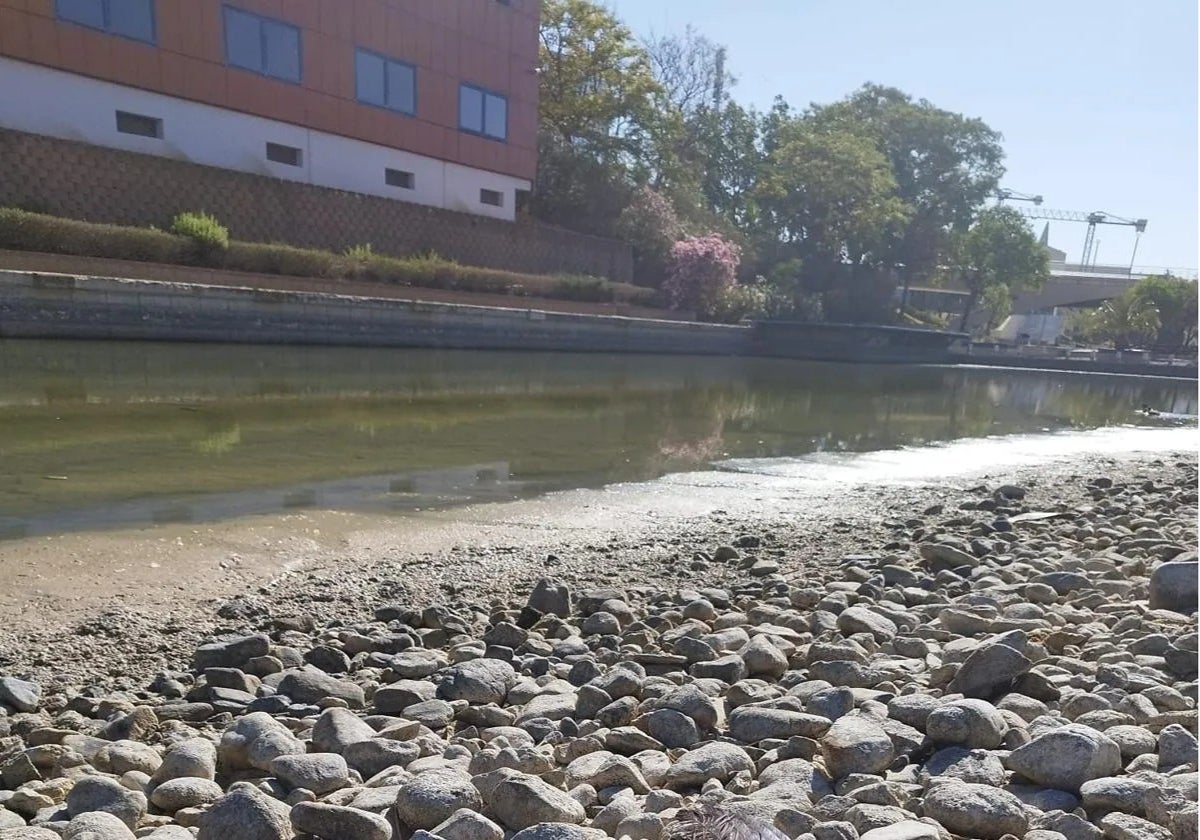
(1137, 271)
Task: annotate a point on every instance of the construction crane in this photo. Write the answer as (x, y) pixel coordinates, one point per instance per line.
(1003, 195)
(1093, 219)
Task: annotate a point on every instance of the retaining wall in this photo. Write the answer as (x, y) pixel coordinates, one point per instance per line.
(82, 181)
(63, 306)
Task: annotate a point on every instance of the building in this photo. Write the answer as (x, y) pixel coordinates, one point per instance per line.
(426, 101)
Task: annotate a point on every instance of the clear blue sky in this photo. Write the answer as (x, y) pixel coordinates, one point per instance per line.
(1096, 99)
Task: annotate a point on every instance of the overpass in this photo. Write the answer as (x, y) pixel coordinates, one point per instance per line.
(1070, 285)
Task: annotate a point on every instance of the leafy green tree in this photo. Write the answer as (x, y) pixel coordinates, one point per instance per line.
(1128, 320)
(1176, 302)
(828, 198)
(945, 166)
(997, 252)
(599, 104)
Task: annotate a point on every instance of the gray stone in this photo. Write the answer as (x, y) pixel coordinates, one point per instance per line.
(231, 653)
(1116, 793)
(185, 792)
(1176, 746)
(377, 754)
(978, 767)
(862, 620)
(903, 830)
(671, 728)
(319, 772)
(96, 825)
(1066, 757)
(1068, 825)
(978, 811)
(1117, 826)
(1173, 585)
(255, 740)
(191, 758)
(468, 825)
(395, 698)
(856, 743)
(559, 831)
(716, 760)
(523, 801)
(478, 681)
(245, 814)
(337, 729)
(433, 796)
(21, 695)
(751, 724)
(989, 670)
(308, 685)
(940, 556)
(550, 596)
(334, 822)
(972, 723)
(764, 659)
(99, 793)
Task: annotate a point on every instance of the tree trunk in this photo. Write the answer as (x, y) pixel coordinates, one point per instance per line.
(968, 308)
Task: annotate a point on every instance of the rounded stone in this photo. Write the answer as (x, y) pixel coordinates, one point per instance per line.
(334, 822)
(185, 792)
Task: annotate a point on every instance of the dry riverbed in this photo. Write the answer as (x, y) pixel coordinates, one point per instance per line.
(1011, 654)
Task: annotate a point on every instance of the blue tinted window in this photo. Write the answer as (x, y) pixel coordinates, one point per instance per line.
(470, 109)
(130, 18)
(243, 40)
(401, 87)
(263, 45)
(86, 12)
(370, 82)
(495, 117)
(385, 82)
(283, 50)
(480, 112)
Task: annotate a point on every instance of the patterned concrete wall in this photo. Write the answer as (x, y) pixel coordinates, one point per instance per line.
(82, 181)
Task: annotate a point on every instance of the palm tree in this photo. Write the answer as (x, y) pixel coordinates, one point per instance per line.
(1127, 321)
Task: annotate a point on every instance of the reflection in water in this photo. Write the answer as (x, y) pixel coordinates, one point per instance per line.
(173, 432)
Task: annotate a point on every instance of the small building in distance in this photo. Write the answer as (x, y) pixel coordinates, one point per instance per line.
(432, 102)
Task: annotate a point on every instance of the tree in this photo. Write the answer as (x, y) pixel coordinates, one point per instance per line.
(1128, 320)
(649, 223)
(997, 251)
(599, 102)
(945, 166)
(828, 198)
(1176, 302)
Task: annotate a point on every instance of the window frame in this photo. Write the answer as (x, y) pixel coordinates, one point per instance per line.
(159, 129)
(226, 8)
(299, 164)
(499, 197)
(409, 177)
(485, 93)
(107, 27)
(387, 59)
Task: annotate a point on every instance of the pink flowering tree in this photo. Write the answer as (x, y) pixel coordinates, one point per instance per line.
(701, 271)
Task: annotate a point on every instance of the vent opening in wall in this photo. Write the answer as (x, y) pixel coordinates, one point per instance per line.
(492, 197)
(139, 124)
(399, 178)
(288, 155)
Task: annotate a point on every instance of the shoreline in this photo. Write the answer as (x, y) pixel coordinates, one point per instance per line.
(130, 588)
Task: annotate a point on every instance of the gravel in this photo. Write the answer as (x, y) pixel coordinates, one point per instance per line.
(1017, 662)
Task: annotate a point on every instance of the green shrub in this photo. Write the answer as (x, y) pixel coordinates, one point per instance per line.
(273, 258)
(209, 237)
(585, 288)
(21, 230)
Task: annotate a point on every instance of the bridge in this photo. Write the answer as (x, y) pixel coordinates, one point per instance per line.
(1070, 286)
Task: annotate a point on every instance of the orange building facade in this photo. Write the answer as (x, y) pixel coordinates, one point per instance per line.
(427, 101)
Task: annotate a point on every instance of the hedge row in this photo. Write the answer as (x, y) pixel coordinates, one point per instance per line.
(21, 230)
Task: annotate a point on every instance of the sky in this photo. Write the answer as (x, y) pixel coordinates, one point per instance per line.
(1096, 99)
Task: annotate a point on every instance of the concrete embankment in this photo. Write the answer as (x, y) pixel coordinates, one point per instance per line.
(64, 306)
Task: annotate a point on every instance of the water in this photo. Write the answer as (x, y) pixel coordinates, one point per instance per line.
(96, 435)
